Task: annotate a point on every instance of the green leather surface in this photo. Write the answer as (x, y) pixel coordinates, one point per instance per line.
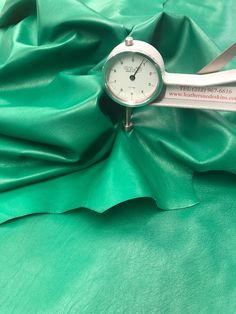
(133, 258)
(62, 147)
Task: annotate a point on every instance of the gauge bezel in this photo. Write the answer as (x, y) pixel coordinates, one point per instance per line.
(132, 104)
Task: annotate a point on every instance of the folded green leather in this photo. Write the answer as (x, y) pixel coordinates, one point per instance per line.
(61, 142)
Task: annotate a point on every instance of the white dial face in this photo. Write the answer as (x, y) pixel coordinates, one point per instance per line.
(132, 78)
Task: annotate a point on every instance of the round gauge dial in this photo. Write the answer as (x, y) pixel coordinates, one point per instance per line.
(132, 79)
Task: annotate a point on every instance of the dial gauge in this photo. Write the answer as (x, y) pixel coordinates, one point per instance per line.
(134, 75)
(132, 78)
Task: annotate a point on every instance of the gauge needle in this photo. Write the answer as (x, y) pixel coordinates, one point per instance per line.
(132, 77)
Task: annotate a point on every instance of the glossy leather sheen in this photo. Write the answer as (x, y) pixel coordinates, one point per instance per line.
(131, 259)
(62, 145)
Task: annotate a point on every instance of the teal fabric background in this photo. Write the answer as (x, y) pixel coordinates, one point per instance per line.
(168, 243)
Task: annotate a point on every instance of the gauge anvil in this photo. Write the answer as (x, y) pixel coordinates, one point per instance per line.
(134, 76)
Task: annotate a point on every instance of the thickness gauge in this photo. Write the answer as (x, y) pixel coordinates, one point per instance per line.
(134, 75)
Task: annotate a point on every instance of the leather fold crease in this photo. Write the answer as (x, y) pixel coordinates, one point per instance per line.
(62, 145)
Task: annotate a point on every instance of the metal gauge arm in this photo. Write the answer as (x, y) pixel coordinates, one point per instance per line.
(218, 78)
(195, 91)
